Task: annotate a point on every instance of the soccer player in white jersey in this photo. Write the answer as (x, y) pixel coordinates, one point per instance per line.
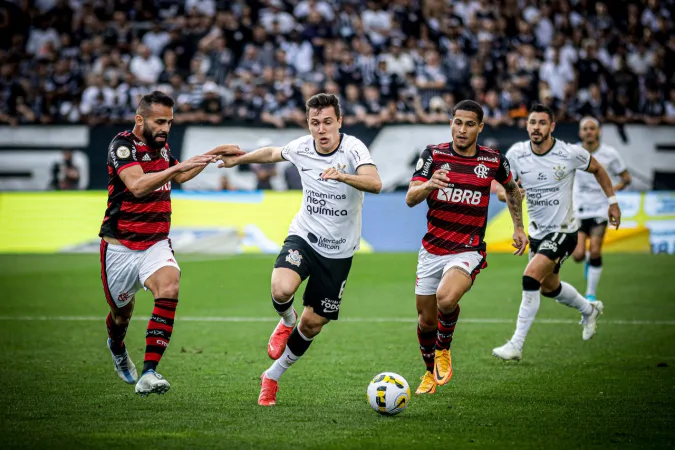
(546, 168)
(591, 204)
(335, 170)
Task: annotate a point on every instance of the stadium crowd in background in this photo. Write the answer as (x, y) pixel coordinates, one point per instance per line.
(394, 61)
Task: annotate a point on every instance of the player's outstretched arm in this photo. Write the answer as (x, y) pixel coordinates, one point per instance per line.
(366, 179)
(514, 201)
(265, 155)
(141, 184)
(418, 190)
(605, 183)
(221, 150)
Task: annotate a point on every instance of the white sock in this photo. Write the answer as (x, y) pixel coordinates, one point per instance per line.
(593, 279)
(529, 306)
(287, 359)
(288, 316)
(570, 297)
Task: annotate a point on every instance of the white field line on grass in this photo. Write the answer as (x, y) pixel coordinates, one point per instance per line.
(346, 319)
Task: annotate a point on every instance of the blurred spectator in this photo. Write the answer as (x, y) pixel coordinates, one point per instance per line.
(264, 174)
(145, 66)
(156, 39)
(292, 177)
(494, 114)
(653, 108)
(260, 59)
(65, 174)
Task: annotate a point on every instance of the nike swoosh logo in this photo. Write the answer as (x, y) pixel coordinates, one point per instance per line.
(523, 172)
(305, 170)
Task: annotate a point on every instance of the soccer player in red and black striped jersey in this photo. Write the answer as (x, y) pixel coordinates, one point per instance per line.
(454, 178)
(135, 247)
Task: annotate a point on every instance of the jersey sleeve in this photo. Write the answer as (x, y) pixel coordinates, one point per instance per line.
(581, 158)
(503, 175)
(617, 166)
(290, 151)
(122, 154)
(172, 160)
(360, 155)
(423, 169)
(511, 160)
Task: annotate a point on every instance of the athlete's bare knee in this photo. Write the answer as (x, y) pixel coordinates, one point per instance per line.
(169, 289)
(447, 301)
(310, 327)
(579, 256)
(427, 322)
(282, 291)
(122, 319)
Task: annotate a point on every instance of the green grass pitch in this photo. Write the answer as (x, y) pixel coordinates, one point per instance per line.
(58, 388)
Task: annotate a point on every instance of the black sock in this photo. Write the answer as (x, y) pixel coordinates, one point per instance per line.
(282, 307)
(149, 365)
(297, 343)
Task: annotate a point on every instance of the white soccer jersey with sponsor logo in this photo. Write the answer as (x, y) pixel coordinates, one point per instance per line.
(589, 199)
(548, 181)
(330, 216)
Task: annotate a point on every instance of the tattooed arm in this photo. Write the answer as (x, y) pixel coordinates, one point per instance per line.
(514, 201)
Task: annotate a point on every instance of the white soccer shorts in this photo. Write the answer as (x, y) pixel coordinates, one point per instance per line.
(124, 271)
(431, 268)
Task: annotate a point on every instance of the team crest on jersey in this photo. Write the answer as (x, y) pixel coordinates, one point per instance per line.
(123, 152)
(294, 257)
(165, 154)
(481, 171)
(559, 172)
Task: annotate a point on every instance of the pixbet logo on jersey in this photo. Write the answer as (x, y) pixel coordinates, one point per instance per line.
(454, 195)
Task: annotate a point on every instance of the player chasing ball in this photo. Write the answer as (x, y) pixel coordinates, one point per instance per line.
(455, 179)
(545, 168)
(135, 246)
(335, 170)
(591, 204)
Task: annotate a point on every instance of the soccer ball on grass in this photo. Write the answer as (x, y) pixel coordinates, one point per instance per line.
(388, 393)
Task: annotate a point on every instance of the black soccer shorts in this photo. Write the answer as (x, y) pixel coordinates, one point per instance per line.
(555, 246)
(587, 225)
(327, 276)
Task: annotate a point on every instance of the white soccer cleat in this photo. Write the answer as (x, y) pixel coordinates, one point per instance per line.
(590, 322)
(124, 367)
(151, 383)
(508, 352)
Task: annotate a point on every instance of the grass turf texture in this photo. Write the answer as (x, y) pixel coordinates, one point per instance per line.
(59, 388)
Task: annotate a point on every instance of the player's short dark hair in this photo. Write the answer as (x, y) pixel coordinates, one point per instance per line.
(154, 98)
(323, 100)
(541, 108)
(471, 106)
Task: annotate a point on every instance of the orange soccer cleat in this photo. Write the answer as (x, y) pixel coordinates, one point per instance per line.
(268, 391)
(279, 338)
(442, 367)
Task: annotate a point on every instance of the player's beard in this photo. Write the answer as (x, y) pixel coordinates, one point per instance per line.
(149, 139)
(541, 138)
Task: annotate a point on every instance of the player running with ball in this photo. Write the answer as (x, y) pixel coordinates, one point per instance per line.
(455, 179)
(335, 169)
(546, 169)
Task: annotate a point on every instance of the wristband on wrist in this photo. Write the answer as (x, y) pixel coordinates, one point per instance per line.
(612, 200)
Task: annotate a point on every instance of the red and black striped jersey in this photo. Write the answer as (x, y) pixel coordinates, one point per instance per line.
(138, 223)
(457, 215)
